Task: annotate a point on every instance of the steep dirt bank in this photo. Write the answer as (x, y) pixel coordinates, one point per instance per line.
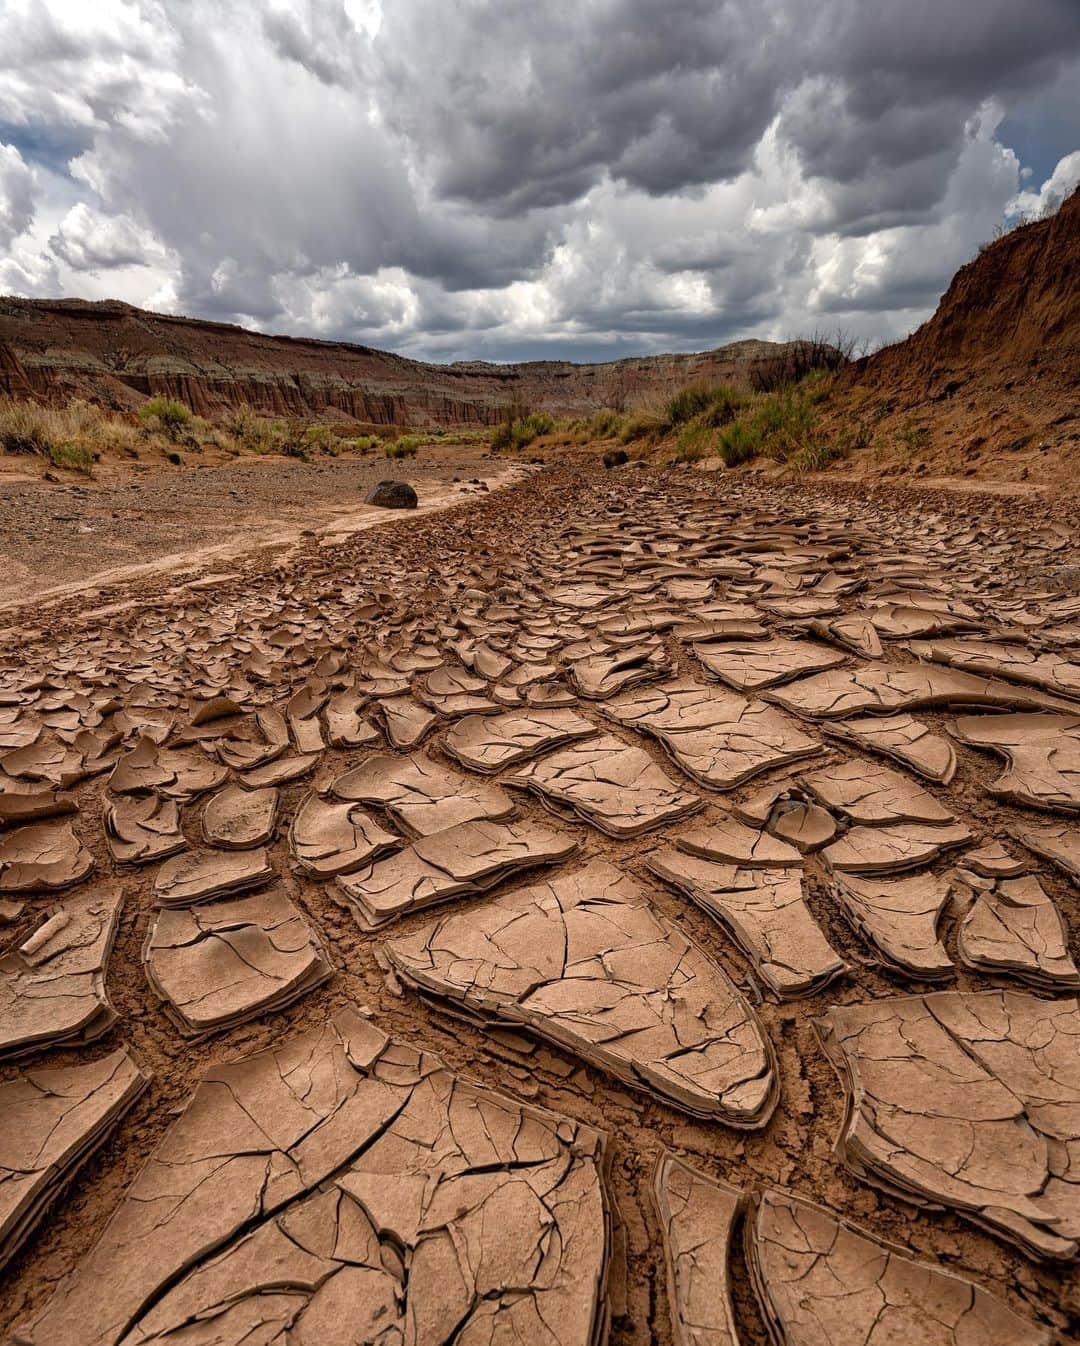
(991, 382)
(118, 355)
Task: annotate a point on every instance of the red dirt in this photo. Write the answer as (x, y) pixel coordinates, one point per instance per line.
(991, 383)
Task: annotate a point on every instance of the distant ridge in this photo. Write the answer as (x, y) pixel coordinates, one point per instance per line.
(118, 355)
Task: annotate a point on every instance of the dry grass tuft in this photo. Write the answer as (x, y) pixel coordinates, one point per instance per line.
(77, 435)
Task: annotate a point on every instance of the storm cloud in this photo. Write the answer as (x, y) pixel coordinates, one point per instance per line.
(509, 178)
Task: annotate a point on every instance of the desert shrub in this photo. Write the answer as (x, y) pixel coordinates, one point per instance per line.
(708, 405)
(819, 452)
(74, 435)
(714, 429)
(212, 435)
(779, 425)
(738, 443)
(724, 405)
(256, 434)
(248, 430)
(73, 457)
(642, 425)
(404, 447)
(26, 428)
(579, 431)
(606, 423)
(319, 438)
(325, 439)
(787, 422)
(165, 414)
(694, 442)
(240, 422)
(515, 432)
(194, 435)
(816, 457)
(686, 404)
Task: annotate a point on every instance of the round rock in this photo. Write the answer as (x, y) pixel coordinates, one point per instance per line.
(393, 495)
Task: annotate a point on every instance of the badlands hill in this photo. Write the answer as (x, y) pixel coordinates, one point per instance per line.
(117, 355)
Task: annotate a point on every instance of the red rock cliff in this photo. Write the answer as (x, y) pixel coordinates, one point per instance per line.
(118, 355)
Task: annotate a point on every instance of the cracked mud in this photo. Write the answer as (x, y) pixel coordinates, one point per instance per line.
(627, 907)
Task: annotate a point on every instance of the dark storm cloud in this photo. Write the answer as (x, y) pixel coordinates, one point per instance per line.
(514, 104)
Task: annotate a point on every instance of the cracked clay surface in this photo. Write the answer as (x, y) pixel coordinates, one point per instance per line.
(630, 907)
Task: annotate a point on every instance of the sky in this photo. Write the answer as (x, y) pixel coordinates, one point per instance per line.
(522, 179)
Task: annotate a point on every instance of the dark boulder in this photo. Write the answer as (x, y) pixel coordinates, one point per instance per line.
(393, 495)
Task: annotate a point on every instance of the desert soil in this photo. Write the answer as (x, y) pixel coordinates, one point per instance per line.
(594, 587)
(59, 532)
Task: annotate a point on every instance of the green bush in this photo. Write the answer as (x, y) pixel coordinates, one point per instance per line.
(694, 442)
(73, 457)
(321, 438)
(606, 423)
(814, 457)
(686, 404)
(163, 413)
(642, 425)
(711, 405)
(724, 405)
(405, 447)
(778, 425)
(516, 432)
(740, 442)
